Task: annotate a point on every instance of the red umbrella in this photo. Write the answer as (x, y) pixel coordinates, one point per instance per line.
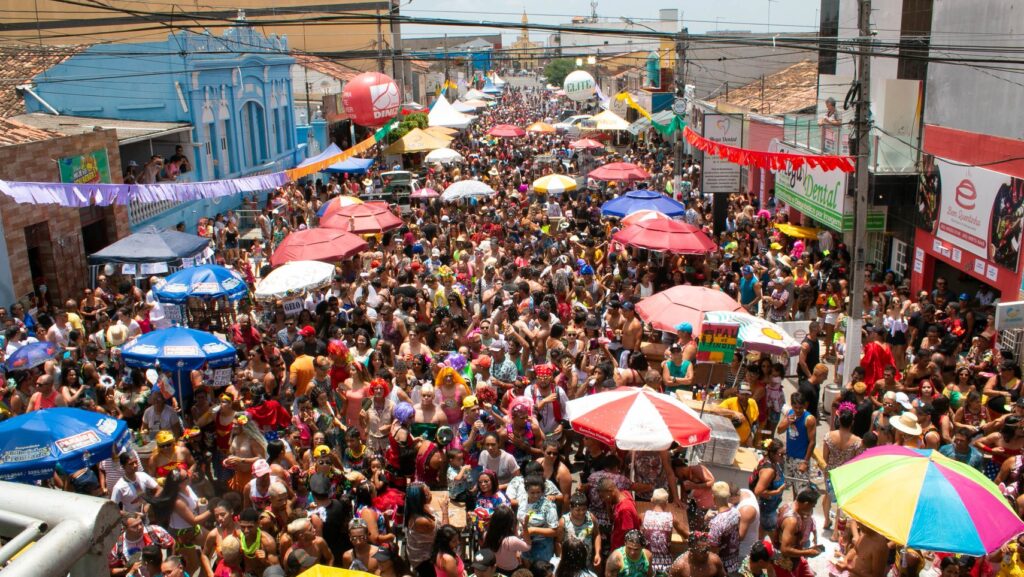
(666, 235)
(635, 419)
(424, 193)
(619, 171)
(366, 218)
(684, 304)
(585, 143)
(506, 131)
(326, 244)
(642, 215)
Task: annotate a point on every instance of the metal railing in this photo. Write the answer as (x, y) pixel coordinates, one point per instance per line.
(804, 131)
(140, 212)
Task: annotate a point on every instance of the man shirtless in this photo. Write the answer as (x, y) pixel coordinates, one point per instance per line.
(257, 555)
(698, 561)
(305, 538)
(426, 411)
(869, 555)
(247, 446)
(364, 556)
(632, 333)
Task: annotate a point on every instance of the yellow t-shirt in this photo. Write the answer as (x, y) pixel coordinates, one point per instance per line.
(76, 322)
(743, 429)
(1013, 565)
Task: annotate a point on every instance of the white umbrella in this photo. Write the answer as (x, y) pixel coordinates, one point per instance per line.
(295, 277)
(443, 155)
(757, 334)
(637, 420)
(466, 189)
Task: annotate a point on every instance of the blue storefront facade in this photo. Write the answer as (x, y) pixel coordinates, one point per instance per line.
(234, 89)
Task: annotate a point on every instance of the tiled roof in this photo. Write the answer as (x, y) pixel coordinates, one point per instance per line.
(325, 66)
(13, 132)
(789, 90)
(20, 64)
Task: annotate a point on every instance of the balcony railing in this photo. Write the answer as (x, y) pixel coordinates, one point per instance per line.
(803, 130)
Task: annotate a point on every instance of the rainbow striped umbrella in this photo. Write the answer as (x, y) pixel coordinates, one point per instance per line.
(924, 500)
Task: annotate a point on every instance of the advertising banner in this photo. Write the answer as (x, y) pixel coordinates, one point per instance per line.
(89, 168)
(819, 194)
(980, 211)
(718, 174)
(718, 342)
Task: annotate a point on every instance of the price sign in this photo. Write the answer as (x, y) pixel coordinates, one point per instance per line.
(292, 307)
(173, 314)
(222, 377)
(718, 342)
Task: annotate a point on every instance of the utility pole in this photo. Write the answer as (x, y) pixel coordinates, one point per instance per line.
(862, 124)
(679, 108)
(380, 45)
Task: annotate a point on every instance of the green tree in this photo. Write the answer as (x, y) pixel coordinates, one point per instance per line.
(558, 69)
(407, 124)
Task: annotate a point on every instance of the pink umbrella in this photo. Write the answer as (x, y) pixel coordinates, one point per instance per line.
(619, 171)
(642, 215)
(506, 131)
(684, 304)
(667, 236)
(366, 218)
(585, 143)
(425, 193)
(635, 419)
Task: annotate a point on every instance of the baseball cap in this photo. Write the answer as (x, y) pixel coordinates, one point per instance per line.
(496, 345)
(684, 328)
(321, 450)
(747, 269)
(744, 388)
(860, 387)
(260, 468)
(469, 402)
(307, 331)
(904, 401)
(628, 306)
(319, 484)
(484, 559)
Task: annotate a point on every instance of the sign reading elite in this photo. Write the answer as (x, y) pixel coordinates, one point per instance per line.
(718, 342)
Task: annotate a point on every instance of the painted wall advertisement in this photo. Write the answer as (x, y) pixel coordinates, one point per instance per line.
(819, 194)
(89, 168)
(718, 175)
(980, 211)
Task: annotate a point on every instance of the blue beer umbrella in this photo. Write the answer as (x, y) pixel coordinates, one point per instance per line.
(636, 200)
(33, 445)
(31, 355)
(208, 281)
(178, 350)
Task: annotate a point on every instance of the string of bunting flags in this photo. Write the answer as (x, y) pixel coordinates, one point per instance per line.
(72, 195)
(667, 129)
(768, 160)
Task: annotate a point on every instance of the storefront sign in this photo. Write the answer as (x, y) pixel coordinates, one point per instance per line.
(819, 194)
(980, 211)
(1010, 316)
(718, 342)
(90, 168)
(719, 175)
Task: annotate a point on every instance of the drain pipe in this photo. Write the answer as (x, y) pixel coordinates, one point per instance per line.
(31, 530)
(28, 89)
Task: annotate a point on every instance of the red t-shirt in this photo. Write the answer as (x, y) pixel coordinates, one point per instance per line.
(624, 520)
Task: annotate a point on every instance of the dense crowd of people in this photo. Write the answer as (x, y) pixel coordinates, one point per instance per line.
(431, 380)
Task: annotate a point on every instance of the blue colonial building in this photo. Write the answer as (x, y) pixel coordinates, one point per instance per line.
(233, 90)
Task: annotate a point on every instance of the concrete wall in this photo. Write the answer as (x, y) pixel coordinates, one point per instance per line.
(63, 255)
(968, 98)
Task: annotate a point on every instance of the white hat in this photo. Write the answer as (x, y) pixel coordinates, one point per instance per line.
(904, 401)
(907, 424)
(436, 253)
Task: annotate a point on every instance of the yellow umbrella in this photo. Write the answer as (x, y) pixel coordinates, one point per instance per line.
(441, 132)
(543, 127)
(325, 571)
(797, 231)
(416, 141)
(554, 184)
(606, 120)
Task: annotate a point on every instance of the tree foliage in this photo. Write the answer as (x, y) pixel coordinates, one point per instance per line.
(407, 124)
(558, 69)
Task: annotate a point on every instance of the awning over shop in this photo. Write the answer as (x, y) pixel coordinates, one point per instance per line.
(644, 124)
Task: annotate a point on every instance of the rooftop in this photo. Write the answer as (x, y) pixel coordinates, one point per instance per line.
(325, 66)
(790, 90)
(21, 64)
(128, 131)
(13, 132)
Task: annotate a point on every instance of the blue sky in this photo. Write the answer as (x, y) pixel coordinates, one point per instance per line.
(699, 17)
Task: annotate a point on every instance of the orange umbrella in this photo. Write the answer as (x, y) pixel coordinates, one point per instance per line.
(541, 127)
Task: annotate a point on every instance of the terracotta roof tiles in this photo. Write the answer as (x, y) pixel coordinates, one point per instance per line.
(790, 90)
(21, 64)
(13, 132)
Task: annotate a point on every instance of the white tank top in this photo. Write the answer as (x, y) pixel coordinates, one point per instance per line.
(191, 501)
(748, 499)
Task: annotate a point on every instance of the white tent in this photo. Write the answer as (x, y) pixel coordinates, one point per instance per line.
(443, 114)
(497, 80)
(460, 106)
(476, 95)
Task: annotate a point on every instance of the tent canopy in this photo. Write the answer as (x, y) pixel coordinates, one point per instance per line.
(444, 114)
(417, 140)
(151, 245)
(328, 152)
(643, 123)
(606, 120)
(351, 165)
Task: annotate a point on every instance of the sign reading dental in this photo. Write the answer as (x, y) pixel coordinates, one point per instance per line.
(718, 175)
(579, 85)
(819, 194)
(980, 211)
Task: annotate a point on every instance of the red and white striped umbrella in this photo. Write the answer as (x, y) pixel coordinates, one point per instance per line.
(635, 419)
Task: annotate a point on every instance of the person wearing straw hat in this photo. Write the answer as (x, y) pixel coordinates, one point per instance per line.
(908, 430)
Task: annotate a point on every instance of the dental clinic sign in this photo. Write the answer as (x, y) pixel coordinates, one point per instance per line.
(819, 194)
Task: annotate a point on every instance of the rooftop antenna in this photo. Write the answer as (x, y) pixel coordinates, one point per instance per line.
(593, 10)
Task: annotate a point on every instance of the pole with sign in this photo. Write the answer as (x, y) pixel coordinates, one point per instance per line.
(717, 344)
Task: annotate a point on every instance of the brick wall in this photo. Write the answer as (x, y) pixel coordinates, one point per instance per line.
(63, 256)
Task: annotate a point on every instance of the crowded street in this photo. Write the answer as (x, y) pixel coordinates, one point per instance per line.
(526, 327)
